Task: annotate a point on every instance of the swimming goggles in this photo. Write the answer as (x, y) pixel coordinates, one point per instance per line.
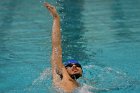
(70, 65)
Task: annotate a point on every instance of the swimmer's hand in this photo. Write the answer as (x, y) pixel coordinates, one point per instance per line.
(52, 10)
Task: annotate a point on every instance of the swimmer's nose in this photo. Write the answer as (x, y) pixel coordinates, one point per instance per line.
(74, 66)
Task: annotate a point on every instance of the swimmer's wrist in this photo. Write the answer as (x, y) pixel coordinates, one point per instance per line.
(56, 16)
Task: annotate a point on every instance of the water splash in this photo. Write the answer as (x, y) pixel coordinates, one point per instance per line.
(43, 76)
(103, 79)
(41, 83)
(42, 1)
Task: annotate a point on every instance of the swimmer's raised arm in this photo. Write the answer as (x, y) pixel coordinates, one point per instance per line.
(64, 75)
(56, 59)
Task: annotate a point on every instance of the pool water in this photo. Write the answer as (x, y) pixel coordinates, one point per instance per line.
(103, 35)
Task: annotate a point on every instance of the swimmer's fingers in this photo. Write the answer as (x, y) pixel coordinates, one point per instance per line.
(49, 6)
(51, 9)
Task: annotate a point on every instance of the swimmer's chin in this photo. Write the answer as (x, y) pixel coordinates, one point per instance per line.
(75, 76)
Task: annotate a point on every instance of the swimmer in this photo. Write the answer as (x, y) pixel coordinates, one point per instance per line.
(64, 75)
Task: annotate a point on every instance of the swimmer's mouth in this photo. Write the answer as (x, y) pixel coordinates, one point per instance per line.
(75, 70)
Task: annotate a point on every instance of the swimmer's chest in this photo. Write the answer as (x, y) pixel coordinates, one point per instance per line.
(68, 85)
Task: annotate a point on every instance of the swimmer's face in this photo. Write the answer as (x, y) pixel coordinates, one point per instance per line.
(74, 69)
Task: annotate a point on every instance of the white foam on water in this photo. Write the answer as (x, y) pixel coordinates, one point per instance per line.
(85, 89)
(102, 78)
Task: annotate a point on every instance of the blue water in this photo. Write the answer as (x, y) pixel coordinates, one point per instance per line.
(103, 35)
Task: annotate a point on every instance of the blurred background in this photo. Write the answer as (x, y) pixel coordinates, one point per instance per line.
(103, 35)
